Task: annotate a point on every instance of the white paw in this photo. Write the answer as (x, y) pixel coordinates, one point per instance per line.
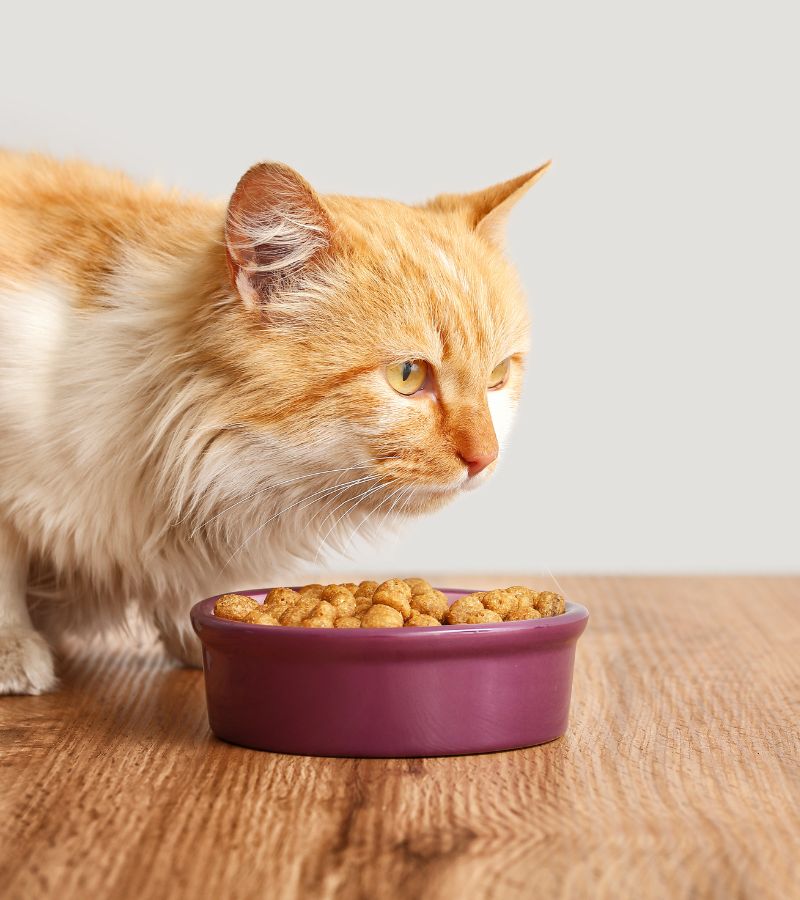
(26, 662)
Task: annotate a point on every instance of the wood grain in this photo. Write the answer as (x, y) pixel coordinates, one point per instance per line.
(679, 776)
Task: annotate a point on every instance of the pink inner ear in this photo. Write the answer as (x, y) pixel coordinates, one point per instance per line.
(275, 226)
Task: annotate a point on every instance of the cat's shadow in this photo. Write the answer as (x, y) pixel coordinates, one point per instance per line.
(132, 692)
(127, 697)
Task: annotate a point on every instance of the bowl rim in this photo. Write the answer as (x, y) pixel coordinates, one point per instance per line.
(202, 615)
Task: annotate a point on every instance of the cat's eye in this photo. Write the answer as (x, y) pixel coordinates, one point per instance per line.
(499, 374)
(407, 377)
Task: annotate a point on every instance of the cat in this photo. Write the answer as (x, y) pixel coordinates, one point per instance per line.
(192, 391)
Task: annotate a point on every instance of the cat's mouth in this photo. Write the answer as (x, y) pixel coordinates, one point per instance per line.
(420, 492)
(463, 482)
(441, 493)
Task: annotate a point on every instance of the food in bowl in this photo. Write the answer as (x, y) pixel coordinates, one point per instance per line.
(395, 603)
(434, 690)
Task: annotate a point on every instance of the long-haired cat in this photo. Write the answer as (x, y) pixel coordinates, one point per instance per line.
(191, 392)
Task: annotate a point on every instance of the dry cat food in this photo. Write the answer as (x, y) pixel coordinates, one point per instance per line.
(396, 603)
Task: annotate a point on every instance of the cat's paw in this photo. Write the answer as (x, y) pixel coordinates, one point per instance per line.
(26, 662)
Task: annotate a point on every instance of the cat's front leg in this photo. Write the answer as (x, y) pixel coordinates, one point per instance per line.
(26, 661)
(178, 638)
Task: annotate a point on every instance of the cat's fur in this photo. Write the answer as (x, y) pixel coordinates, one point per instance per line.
(186, 387)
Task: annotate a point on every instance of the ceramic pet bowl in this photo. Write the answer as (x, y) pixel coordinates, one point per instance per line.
(388, 692)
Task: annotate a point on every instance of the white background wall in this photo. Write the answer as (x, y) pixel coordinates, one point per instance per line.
(659, 430)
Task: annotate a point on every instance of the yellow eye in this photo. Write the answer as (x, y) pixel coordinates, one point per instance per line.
(407, 377)
(499, 374)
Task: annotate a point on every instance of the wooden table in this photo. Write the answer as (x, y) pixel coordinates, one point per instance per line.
(678, 776)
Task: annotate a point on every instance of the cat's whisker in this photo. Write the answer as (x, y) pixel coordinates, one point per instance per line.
(325, 502)
(358, 500)
(555, 580)
(271, 487)
(308, 499)
(330, 513)
(408, 501)
(404, 500)
(354, 502)
(307, 475)
(319, 495)
(369, 515)
(391, 508)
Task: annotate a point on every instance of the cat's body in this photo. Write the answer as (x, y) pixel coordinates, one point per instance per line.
(191, 393)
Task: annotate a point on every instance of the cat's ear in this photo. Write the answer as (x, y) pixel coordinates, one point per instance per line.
(486, 211)
(275, 227)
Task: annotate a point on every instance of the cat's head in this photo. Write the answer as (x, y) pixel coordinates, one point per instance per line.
(378, 340)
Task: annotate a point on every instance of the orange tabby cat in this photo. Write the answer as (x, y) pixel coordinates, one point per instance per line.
(190, 392)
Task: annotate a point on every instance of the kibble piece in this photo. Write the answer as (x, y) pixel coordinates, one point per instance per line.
(381, 616)
(235, 607)
(462, 609)
(521, 600)
(549, 603)
(523, 611)
(420, 620)
(350, 585)
(325, 610)
(315, 589)
(317, 622)
(344, 605)
(395, 601)
(347, 622)
(484, 617)
(500, 602)
(430, 603)
(395, 585)
(335, 590)
(340, 598)
(298, 611)
(279, 600)
(394, 593)
(363, 606)
(523, 592)
(280, 593)
(417, 585)
(366, 589)
(260, 616)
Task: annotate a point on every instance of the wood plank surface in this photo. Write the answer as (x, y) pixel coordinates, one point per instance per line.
(679, 776)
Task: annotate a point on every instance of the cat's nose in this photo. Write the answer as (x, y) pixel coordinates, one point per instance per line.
(477, 462)
(473, 436)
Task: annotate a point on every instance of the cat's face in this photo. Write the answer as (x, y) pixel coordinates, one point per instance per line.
(383, 341)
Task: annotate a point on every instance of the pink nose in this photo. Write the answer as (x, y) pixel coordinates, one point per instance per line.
(478, 462)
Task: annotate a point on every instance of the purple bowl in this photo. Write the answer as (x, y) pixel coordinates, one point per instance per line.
(388, 692)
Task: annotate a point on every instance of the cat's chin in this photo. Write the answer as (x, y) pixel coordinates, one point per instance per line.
(428, 503)
(431, 497)
(477, 481)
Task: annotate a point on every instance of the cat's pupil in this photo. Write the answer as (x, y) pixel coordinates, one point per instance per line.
(407, 367)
